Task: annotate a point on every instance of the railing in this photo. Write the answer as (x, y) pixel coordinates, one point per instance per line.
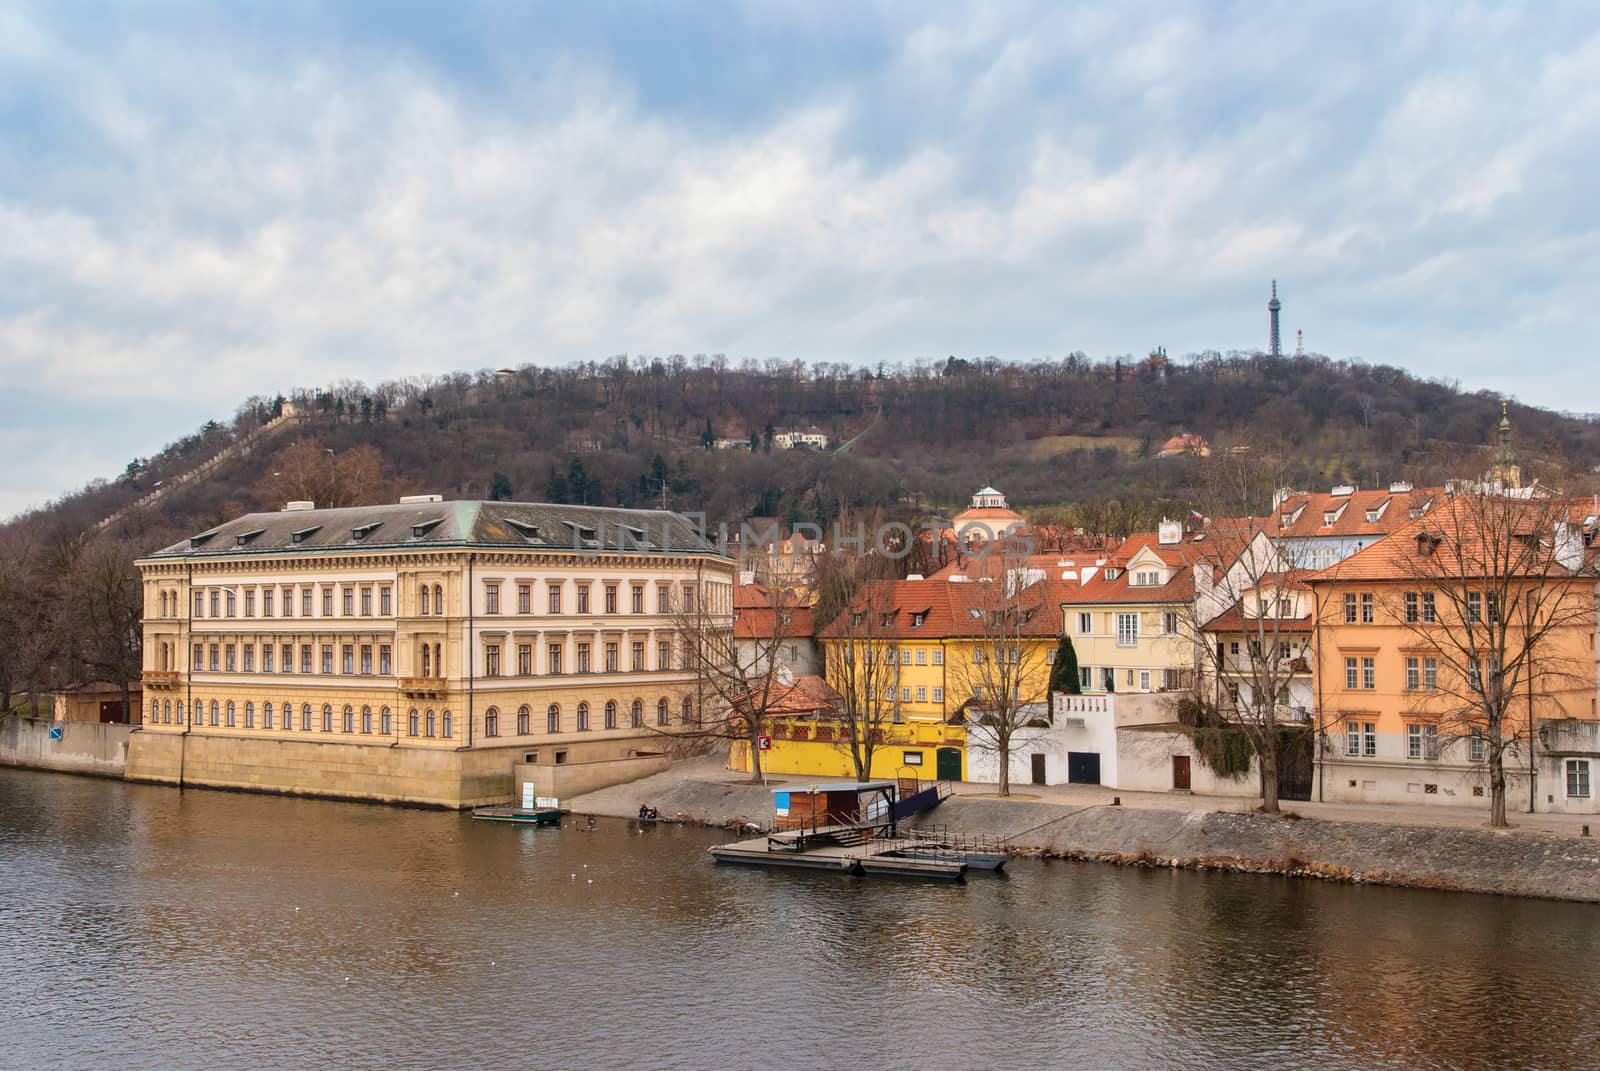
(160, 679)
(424, 687)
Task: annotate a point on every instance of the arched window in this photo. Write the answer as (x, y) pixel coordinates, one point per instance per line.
(423, 598)
(427, 660)
(166, 712)
(349, 719)
(386, 720)
(636, 714)
(552, 719)
(305, 717)
(327, 718)
(155, 710)
(611, 713)
(230, 714)
(266, 715)
(288, 715)
(444, 725)
(522, 721)
(663, 711)
(433, 721)
(491, 722)
(366, 719)
(688, 709)
(412, 721)
(583, 717)
(249, 715)
(438, 660)
(438, 599)
(180, 713)
(216, 712)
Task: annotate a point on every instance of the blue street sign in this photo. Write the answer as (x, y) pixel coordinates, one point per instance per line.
(55, 732)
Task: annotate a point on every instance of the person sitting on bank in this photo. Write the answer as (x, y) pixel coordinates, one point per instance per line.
(646, 812)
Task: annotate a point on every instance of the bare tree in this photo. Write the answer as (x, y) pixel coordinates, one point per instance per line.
(100, 616)
(860, 665)
(738, 666)
(1500, 595)
(1004, 625)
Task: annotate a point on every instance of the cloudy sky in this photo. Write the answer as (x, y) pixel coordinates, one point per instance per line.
(202, 203)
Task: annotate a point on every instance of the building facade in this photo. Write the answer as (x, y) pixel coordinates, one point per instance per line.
(412, 652)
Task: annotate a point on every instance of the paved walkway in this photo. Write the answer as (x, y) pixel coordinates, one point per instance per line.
(737, 797)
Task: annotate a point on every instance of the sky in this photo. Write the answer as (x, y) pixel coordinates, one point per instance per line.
(200, 203)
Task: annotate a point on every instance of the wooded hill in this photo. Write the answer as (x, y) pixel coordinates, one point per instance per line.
(1050, 434)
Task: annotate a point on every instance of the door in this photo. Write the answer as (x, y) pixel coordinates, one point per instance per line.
(1180, 773)
(1038, 769)
(947, 764)
(1083, 767)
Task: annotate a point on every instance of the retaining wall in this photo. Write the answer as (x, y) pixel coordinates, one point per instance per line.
(85, 747)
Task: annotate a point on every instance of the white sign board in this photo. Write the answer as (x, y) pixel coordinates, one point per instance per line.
(527, 795)
(549, 801)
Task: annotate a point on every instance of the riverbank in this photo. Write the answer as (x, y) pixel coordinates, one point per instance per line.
(1515, 863)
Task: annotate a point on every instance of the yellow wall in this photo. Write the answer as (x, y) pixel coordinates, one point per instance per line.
(1155, 650)
(825, 759)
(944, 672)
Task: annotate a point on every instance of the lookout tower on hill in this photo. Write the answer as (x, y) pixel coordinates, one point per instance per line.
(1274, 345)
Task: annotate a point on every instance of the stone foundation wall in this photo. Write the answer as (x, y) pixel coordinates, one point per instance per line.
(574, 778)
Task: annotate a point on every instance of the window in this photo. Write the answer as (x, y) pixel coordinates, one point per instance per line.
(199, 604)
(583, 599)
(1430, 674)
(445, 722)
(347, 659)
(636, 714)
(1477, 747)
(905, 695)
(412, 720)
(611, 658)
(688, 599)
(938, 656)
(327, 718)
(438, 605)
(423, 601)
(386, 720)
(524, 659)
(1127, 630)
(554, 596)
(305, 717)
(233, 603)
(638, 599)
(664, 655)
(288, 602)
(1429, 613)
(266, 658)
(305, 601)
(1144, 680)
(305, 658)
(611, 713)
(553, 658)
(347, 602)
(1369, 674)
(582, 654)
(1146, 578)
(327, 658)
(215, 660)
(491, 660)
(522, 721)
(366, 602)
(583, 717)
(1352, 679)
(427, 660)
(491, 598)
(228, 657)
(922, 656)
(491, 722)
(922, 694)
(432, 724)
(249, 715)
(663, 599)
(1474, 606)
(1349, 609)
(349, 720)
(1413, 608)
(250, 602)
(638, 656)
(385, 602)
(1169, 623)
(688, 709)
(611, 598)
(977, 655)
(1422, 742)
(385, 659)
(552, 719)
(1578, 778)
(266, 715)
(905, 656)
(524, 598)
(1085, 624)
(938, 695)
(199, 657)
(1367, 614)
(663, 711)
(1352, 738)
(366, 720)
(327, 602)
(1413, 674)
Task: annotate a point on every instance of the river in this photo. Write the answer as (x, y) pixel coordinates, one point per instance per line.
(147, 928)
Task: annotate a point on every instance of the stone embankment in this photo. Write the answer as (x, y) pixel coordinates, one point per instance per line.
(82, 747)
(1514, 863)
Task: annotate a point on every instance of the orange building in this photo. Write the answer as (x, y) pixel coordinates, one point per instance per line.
(1400, 699)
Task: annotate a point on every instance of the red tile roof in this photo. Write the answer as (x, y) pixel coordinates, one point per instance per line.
(755, 614)
(1305, 515)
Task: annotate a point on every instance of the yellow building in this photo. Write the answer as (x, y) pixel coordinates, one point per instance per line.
(413, 652)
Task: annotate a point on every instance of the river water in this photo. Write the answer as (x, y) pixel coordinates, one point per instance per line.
(141, 927)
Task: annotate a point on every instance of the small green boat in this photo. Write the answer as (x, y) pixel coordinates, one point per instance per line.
(534, 816)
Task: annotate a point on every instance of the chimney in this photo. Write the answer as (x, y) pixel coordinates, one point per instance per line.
(746, 577)
(298, 506)
(1170, 533)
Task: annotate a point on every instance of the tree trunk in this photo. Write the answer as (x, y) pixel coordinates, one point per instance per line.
(1497, 778)
(755, 753)
(1003, 753)
(1268, 753)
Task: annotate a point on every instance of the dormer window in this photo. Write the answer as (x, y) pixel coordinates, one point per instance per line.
(196, 542)
(305, 533)
(528, 531)
(422, 528)
(361, 531)
(918, 618)
(1111, 572)
(1146, 578)
(243, 538)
